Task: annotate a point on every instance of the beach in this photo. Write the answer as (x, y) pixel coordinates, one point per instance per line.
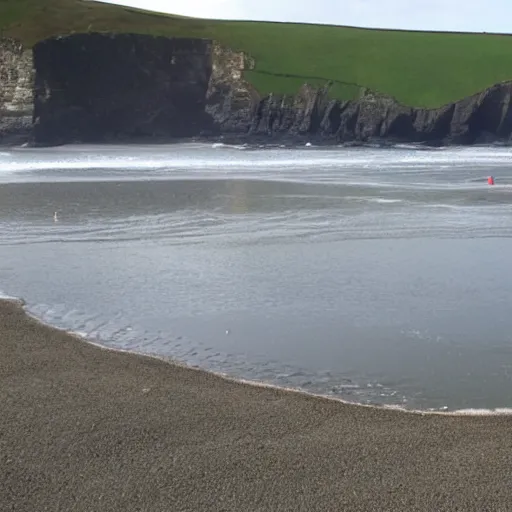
(84, 428)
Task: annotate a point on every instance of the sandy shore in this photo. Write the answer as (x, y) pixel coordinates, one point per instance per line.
(84, 429)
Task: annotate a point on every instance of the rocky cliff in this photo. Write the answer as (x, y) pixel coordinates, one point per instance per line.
(104, 88)
(16, 92)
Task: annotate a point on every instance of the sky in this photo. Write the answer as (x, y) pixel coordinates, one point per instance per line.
(458, 15)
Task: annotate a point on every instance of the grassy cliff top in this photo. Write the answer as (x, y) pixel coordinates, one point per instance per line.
(420, 69)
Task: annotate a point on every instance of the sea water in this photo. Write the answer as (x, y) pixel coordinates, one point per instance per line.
(378, 276)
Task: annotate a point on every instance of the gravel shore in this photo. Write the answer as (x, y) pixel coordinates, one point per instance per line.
(85, 429)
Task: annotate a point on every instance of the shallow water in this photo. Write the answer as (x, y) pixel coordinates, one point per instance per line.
(376, 275)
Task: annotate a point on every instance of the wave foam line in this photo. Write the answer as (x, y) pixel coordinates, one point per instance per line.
(267, 158)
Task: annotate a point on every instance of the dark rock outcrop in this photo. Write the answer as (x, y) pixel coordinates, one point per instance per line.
(106, 88)
(95, 88)
(230, 100)
(484, 117)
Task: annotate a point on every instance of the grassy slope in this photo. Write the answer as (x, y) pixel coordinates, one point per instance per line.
(418, 68)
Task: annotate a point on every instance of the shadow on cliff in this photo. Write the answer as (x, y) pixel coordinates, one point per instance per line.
(95, 88)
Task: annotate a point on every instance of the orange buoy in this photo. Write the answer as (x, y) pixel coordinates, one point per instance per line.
(490, 180)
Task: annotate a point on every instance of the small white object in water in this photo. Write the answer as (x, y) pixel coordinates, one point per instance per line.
(308, 144)
(227, 332)
(55, 219)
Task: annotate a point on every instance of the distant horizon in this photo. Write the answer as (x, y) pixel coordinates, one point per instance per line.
(458, 16)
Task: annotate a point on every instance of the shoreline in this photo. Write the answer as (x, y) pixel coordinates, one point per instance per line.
(251, 144)
(263, 145)
(89, 429)
(255, 141)
(82, 338)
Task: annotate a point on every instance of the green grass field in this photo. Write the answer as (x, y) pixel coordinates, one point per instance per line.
(420, 69)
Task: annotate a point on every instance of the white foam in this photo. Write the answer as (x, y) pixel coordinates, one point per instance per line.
(413, 146)
(394, 407)
(220, 145)
(200, 157)
(382, 200)
(170, 162)
(500, 411)
(5, 296)
(446, 206)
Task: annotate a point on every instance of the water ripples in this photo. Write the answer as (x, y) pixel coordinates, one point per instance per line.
(241, 261)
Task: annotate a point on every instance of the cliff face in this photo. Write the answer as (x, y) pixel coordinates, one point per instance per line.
(16, 92)
(237, 110)
(230, 100)
(92, 88)
(105, 88)
(484, 117)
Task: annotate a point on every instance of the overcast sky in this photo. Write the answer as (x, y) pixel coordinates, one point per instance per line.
(470, 15)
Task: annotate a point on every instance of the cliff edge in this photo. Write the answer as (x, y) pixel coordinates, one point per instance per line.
(127, 87)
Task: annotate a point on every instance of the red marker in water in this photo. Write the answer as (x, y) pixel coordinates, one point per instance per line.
(490, 180)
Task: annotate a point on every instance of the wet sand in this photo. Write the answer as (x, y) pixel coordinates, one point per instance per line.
(85, 429)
